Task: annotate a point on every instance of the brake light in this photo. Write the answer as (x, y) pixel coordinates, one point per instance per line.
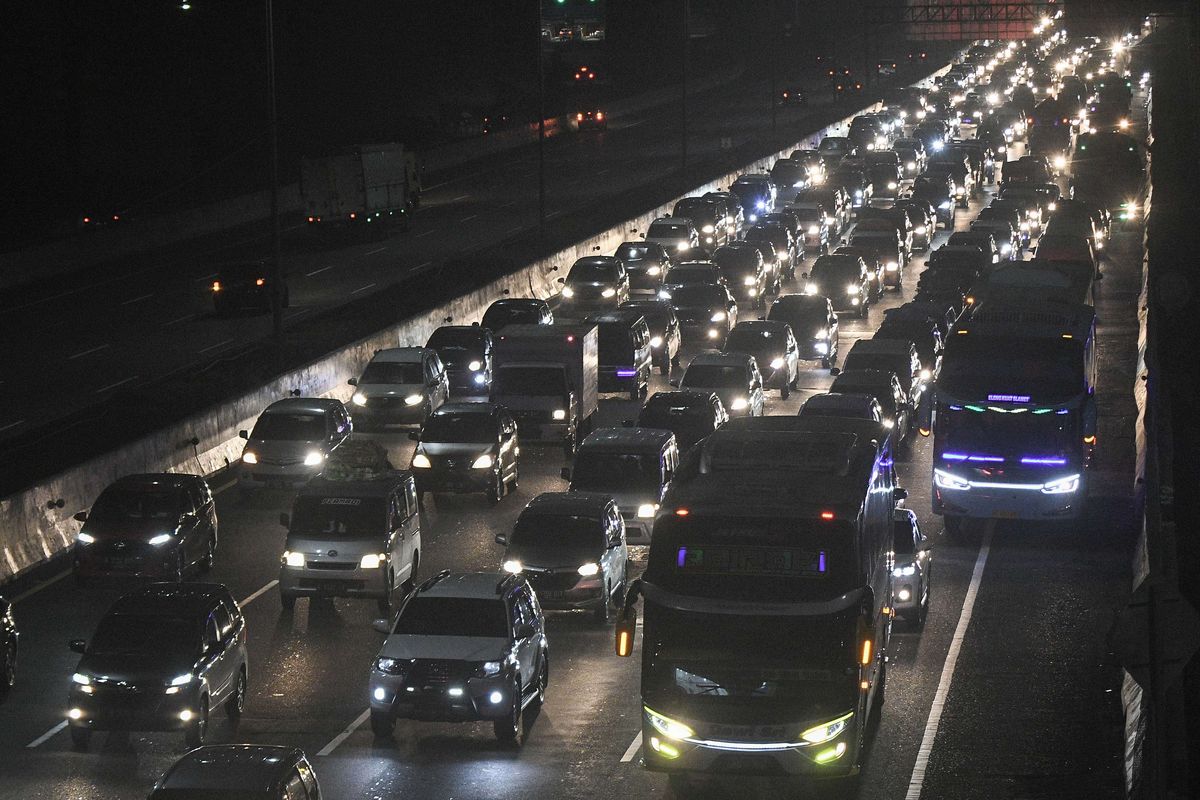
(681, 512)
(216, 286)
(826, 515)
(259, 281)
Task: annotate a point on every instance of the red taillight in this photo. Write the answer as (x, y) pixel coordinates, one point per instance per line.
(826, 515)
(681, 512)
(259, 282)
(579, 117)
(87, 220)
(312, 219)
(216, 286)
(599, 115)
(353, 215)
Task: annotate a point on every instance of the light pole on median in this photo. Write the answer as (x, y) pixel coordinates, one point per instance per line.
(687, 5)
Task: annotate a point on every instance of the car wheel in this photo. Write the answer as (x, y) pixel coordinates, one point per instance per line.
(194, 736)
(382, 724)
(81, 737)
(287, 600)
(496, 490)
(785, 392)
(210, 555)
(543, 680)
(603, 613)
(8, 675)
(508, 729)
(236, 703)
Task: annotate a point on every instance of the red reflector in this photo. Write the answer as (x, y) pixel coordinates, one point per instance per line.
(681, 512)
(826, 515)
(86, 220)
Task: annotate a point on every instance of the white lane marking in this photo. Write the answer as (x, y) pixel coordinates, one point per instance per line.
(362, 288)
(47, 736)
(11, 425)
(137, 299)
(373, 252)
(344, 735)
(917, 781)
(429, 232)
(259, 593)
(460, 197)
(206, 277)
(318, 271)
(511, 231)
(221, 343)
(469, 217)
(104, 389)
(178, 319)
(40, 586)
(422, 266)
(633, 749)
(88, 352)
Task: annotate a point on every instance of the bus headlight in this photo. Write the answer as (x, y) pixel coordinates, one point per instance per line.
(293, 559)
(1065, 485)
(827, 730)
(672, 729)
(945, 480)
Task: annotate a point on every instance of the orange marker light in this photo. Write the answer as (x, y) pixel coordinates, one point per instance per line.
(681, 512)
(826, 515)
(259, 282)
(624, 643)
(216, 286)
(1089, 440)
(866, 652)
(923, 431)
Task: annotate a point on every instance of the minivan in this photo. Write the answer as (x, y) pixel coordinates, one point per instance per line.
(400, 386)
(894, 355)
(291, 440)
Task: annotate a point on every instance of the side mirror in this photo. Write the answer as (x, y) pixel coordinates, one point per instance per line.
(80, 516)
(565, 473)
(524, 630)
(835, 371)
(803, 276)
(502, 539)
(561, 280)
(900, 494)
(384, 626)
(353, 381)
(77, 646)
(285, 520)
(414, 436)
(674, 382)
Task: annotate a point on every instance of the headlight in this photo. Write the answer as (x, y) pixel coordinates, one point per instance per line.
(713, 333)
(810, 288)
(1062, 485)
(652, 271)
(81, 679)
(559, 414)
(293, 559)
(777, 363)
(488, 669)
(1025, 226)
(1052, 206)
(821, 347)
(85, 538)
(920, 230)
(391, 666)
(656, 341)
(739, 404)
(718, 317)
(668, 727)
(359, 399)
(1005, 248)
(609, 293)
(707, 229)
(513, 567)
(1123, 124)
(181, 680)
(568, 291)
(945, 206)
(906, 571)
(372, 561)
(892, 266)
(475, 366)
(682, 246)
(646, 510)
(782, 255)
(754, 217)
(749, 281)
(480, 378)
(589, 569)
(945, 480)
(925, 375)
(663, 294)
(858, 193)
(1060, 162)
(421, 461)
(1008, 132)
(483, 462)
(162, 538)
(249, 457)
(813, 230)
(827, 730)
(910, 165)
(313, 457)
(760, 204)
(852, 289)
(891, 184)
(921, 113)
(414, 399)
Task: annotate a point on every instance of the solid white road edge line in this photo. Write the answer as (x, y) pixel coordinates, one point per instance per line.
(344, 735)
(633, 749)
(47, 736)
(259, 593)
(916, 783)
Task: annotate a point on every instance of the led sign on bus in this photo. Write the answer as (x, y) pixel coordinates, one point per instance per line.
(731, 560)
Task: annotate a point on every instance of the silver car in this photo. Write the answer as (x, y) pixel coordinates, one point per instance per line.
(400, 386)
(911, 569)
(291, 441)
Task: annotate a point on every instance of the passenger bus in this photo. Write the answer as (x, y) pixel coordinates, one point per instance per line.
(767, 601)
(1013, 413)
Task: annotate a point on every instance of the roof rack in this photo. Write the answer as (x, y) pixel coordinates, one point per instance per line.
(431, 581)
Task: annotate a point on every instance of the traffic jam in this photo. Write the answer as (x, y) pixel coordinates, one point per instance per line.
(720, 422)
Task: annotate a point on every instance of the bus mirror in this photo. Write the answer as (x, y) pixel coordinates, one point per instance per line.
(625, 629)
(900, 494)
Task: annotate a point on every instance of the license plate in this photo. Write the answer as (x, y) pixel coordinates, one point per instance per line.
(552, 595)
(1005, 515)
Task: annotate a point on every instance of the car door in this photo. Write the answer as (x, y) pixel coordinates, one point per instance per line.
(406, 532)
(215, 669)
(524, 622)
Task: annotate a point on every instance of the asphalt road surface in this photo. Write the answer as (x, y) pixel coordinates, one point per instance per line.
(1007, 693)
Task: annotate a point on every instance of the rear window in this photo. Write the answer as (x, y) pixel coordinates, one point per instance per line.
(461, 427)
(593, 272)
(714, 376)
(633, 252)
(118, 505)
(339, 517)
(669, 230)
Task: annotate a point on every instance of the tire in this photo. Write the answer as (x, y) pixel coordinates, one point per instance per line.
(569, 445)
(81, 737)
(785, 392)
(288, 601)
(543, 680)
(826, 363)
(508, 729)
(210, 556)
(382, 724)
(196, 732)
(236, 703)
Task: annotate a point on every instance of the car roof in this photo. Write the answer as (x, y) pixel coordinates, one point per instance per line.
(476, 585)
(625, 440)
(689, 397)
(233, 767)
(156, 480)
(303, 405)
(883, 346)
(178, 599)
(381, 486)
(580, 504)
(721, 359)
(405, 355)
(518, 302)
(466, 408)
(842, 400)
(864, 377)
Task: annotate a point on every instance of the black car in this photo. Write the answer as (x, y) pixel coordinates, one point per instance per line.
(706, 311)
(160, 660)
(246, 771)
(742, 267)
(708, 215)
(788, 251)
(8, 648)
(158, 525)
(646, 263)
(756, 192)
(245, 286)
(517, 311)
(466, 352)
(690, 415)
(843, 279)
(937, 192)
(814, 324)
(467, 447)
(884, 387)
(665, 338)
(922, 332)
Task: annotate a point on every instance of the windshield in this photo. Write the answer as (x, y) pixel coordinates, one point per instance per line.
(807, 213)
(975, 366)
(118, 505)
(714, 376)
(633, 252)
(453, 426)
(689, 423)
(392, 372)
(615, 472)
(695, 210)
(543, 381)
(451, 340)
(973, 430)
(453, 616)
(278, 426)
(593, 273)
(837, 271)
(150, 635)
(657, 315)
(754, 342)
(454, 356)
(667, 230)
(499, 316)
(888, 363)
(339, 517)
(702, 296)
(550, 536)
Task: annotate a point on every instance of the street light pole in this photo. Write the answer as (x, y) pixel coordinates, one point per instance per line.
(541, 76)
(683, 82)
(276, 246)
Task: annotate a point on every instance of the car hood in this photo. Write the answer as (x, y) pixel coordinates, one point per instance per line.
(138, 669)
(131, 529)
(449, 648)
(282, 449)
(390, 389)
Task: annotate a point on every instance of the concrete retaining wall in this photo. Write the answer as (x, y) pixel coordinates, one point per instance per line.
(37, 524)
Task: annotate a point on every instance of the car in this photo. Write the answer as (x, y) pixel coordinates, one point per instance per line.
(814, 167)
(843, 279)
(882, 244)
(161, 659)
(976, 238)
(912, 160)
(707, 215)
(885, 184)
(938, 192)
(773, 346)
(834, 200)
(910, 325)
(245, 286)
(756, 191)
(771, 262)
(1028, 211)
(912, 568)
(894, 355)
(1066, 247)
(465, 647)
(885, 387)
(595, 283)
(516, 311)
(1012, 217)
(673, 234)
(786, 250)
(646, 263)
(291, 440)
(591, 119)
(790, 177)
(690, 415)
(467, 447)
(923, 218)
(466, 353)
(813, 316)
(735, 215)
(892, 219)
(665, 337)
(855, 183)
(814, 226)
(874, 261)
(839, 404)
(154, 525)
(633, 466)
(690, 273)
(742, 269)
(706, 312)
(9, 637)
(786, 216)
(958, 173)
(734, 377)
(247, 771)
(625, 354)
(839, 146)
(399, 386)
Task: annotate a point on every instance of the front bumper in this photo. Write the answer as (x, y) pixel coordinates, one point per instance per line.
(459, 481)
(276, 475)
(113, 708)
(388, 411)
(326, 579)
(441, 699)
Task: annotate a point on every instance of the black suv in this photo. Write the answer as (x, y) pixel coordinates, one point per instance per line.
(246, 771)
(160, 660)
(466, 351)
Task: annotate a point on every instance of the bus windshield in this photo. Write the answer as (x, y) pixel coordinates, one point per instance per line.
(980, 430)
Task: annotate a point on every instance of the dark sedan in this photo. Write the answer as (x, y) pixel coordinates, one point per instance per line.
(690, 415)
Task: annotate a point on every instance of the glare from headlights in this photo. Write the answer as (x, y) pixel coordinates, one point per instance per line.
(293, 559)
(589, 569)
(483, 462)
(826, 730)
(609, 293)
(372, 561)
(813, 230)
(85, 538)
(513, 566)
(739, 404)
(421, 461)
(359, 399)
(81, 679)
(1052, 206)
(777, 363)
(821, 335)
(162, 538)
(181, 680)
(559, 414)
(568, 291)
(313, 457)
(920, 230)
(891, 184)
(926, 374)
(414, 399)
(749, 281)
(892, 266)
(656, 341)
(718, 317)
(810, 288)
(652, 271)
(682, 246)
(249, 457)
(708, 229)
(910, 165)
(852, 289)
(646, 510)
(475, 366)
(1060, 162)
(713, 333)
